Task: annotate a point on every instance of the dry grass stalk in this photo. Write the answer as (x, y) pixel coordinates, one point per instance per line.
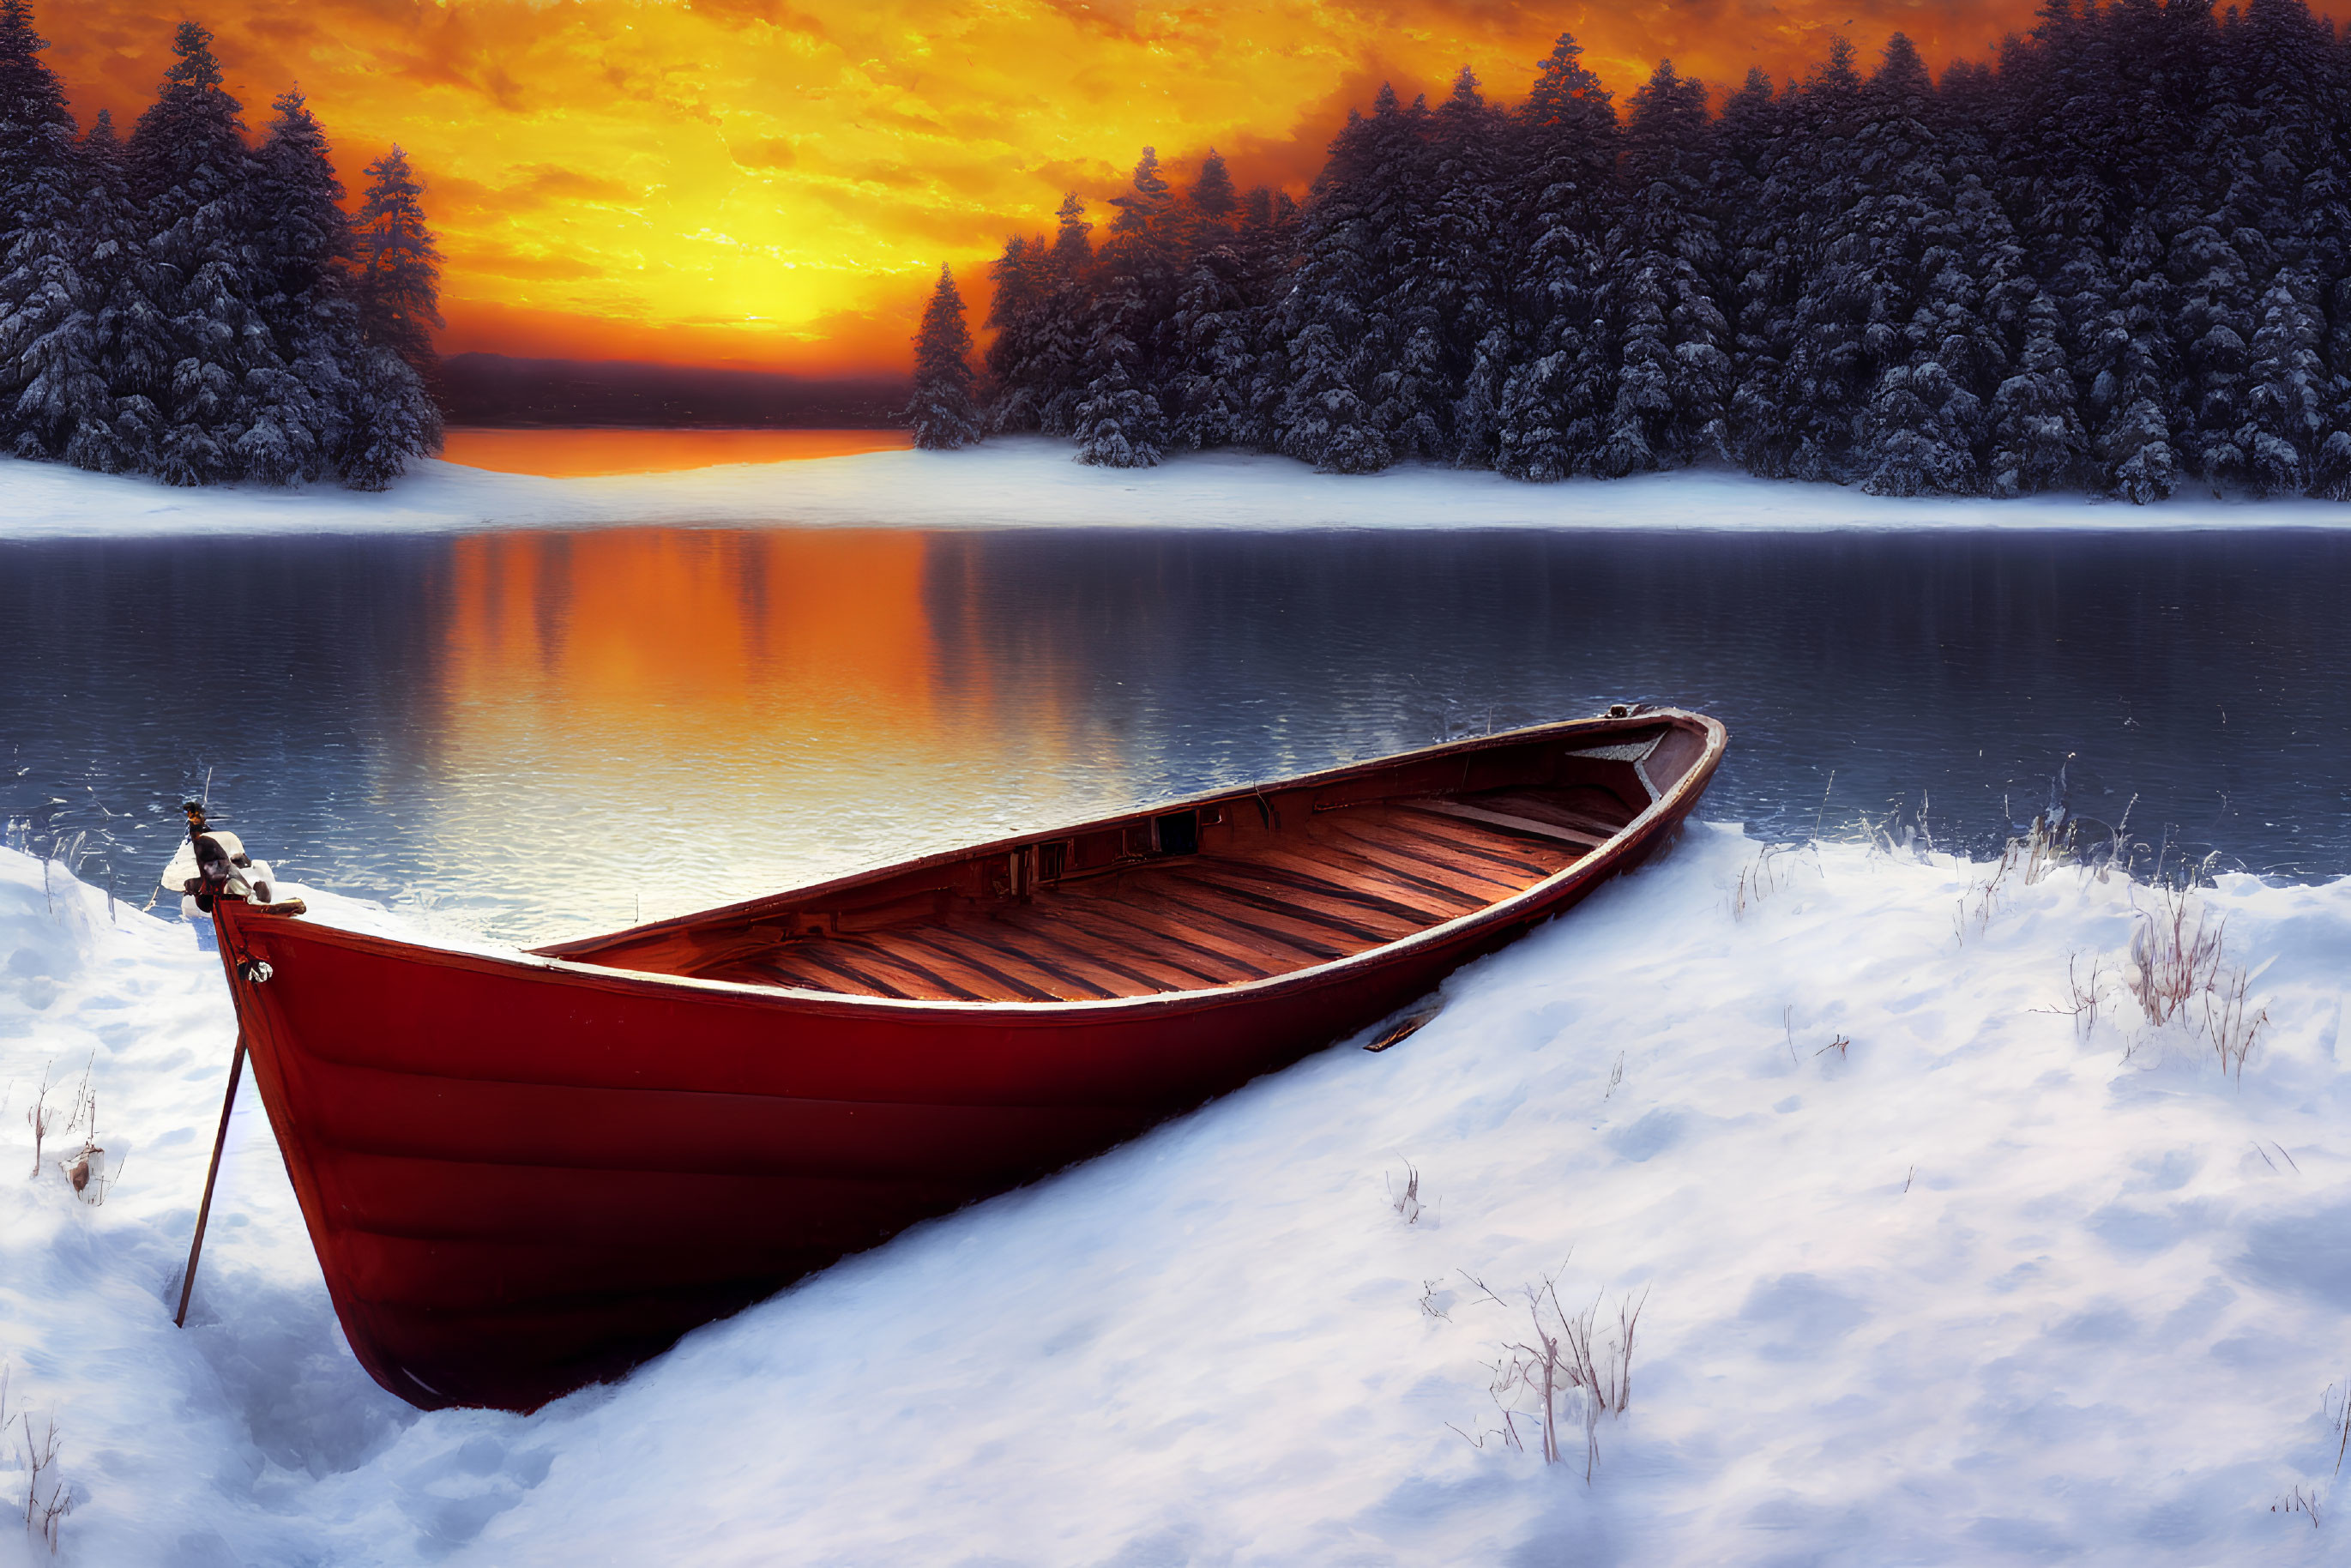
(1767, 875)
(2227, 1025)
(2296, 1501)
(86, 1167)
(44, 1516)
(2083, 993)
(38, 1117)
(1408, 1202)
(2175, 954)
(1567, 1366)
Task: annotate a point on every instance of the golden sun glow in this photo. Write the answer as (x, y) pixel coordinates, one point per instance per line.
(754, 181)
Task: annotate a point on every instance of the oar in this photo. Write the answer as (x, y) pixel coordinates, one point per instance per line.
(204, 1209)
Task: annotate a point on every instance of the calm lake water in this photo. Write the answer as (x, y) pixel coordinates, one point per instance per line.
(540, 735)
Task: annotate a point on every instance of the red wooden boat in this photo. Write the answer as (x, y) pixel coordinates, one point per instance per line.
(526, 1173)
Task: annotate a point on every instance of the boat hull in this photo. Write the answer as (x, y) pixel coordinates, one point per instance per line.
(522, 1175)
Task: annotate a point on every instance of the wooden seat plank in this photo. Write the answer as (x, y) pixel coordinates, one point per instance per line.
(1328, 877)
(1508, 822)
(826, 955)
(1117, 954)
(1344, 921)
(1032, 979)
(914, 974)
(1489, 883)
(1036, 946)
(1442, 842)
(1348, 919)
(1543, 807)
(1198, 904)
(983, 982)
(1101, 920)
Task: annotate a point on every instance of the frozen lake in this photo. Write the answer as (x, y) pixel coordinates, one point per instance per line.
(539, 734)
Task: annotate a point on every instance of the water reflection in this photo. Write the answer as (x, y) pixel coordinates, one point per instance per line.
(587, 453)
(546, 733)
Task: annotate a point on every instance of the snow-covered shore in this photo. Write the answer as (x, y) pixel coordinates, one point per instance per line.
(1973, 1287)
(1031, 482)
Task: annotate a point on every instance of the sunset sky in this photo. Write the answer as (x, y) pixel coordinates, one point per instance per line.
(758, 183)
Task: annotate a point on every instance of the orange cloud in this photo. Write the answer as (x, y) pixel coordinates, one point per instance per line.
(751, 182)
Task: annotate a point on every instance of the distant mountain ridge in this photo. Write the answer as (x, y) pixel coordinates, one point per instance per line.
(499, 390)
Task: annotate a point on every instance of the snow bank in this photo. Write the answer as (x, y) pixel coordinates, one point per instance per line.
(1975, 1287)
(1031, 481)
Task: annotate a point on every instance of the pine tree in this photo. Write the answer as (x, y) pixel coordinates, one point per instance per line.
(1326, 416)
(1925, 427)
(2287, 418)
(124, 430)
(192, 172)
(51, 386)
(941, 411)
(1404, 347)
(399, 266)
(1121, 423)
(2038, 442)
(1471, 265)
(396, 287)
(1059, 345)
(1754, 197)
(303, 418)
(1673, 370)
(1831, 359)
(1022, 278)
(1559, 397)
(1211, 355)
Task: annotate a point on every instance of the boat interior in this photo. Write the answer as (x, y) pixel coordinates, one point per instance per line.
(1215, 892)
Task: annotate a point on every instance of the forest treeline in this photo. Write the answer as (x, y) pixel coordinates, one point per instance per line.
(2114, 261)
(184, 304)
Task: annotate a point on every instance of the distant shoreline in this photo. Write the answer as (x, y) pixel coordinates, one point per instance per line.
(1034, 482)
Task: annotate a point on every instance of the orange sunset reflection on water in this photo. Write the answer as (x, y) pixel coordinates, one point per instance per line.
(598, 690)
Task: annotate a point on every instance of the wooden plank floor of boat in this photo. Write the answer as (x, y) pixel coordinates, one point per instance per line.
(1350, 880)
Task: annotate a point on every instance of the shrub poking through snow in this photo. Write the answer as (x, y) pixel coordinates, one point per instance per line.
(1408, 1202)
(1569, 1366)
(37, 1116)
(2179, 971)
(44, 1512)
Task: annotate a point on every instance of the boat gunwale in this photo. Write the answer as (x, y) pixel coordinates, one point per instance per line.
(1597, 862)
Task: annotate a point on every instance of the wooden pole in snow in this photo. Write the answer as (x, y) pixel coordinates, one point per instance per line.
(204, 1209)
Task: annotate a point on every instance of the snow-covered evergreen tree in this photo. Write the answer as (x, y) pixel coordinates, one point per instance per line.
(124, 431)
(1404, 347)
(396, 284)
(1022, 276)
(195, 177)
(1121, 423)
(2287, 417)
(52, 388)
(398, 276)
(1059, 346)
(942, 411)
(1561, 391)
(1754, 198)
(1831, 359)
(1474, 258)
(1213, 354)
(2038, 442)
(1673, 376)
(1326, 415)
(304, 410)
